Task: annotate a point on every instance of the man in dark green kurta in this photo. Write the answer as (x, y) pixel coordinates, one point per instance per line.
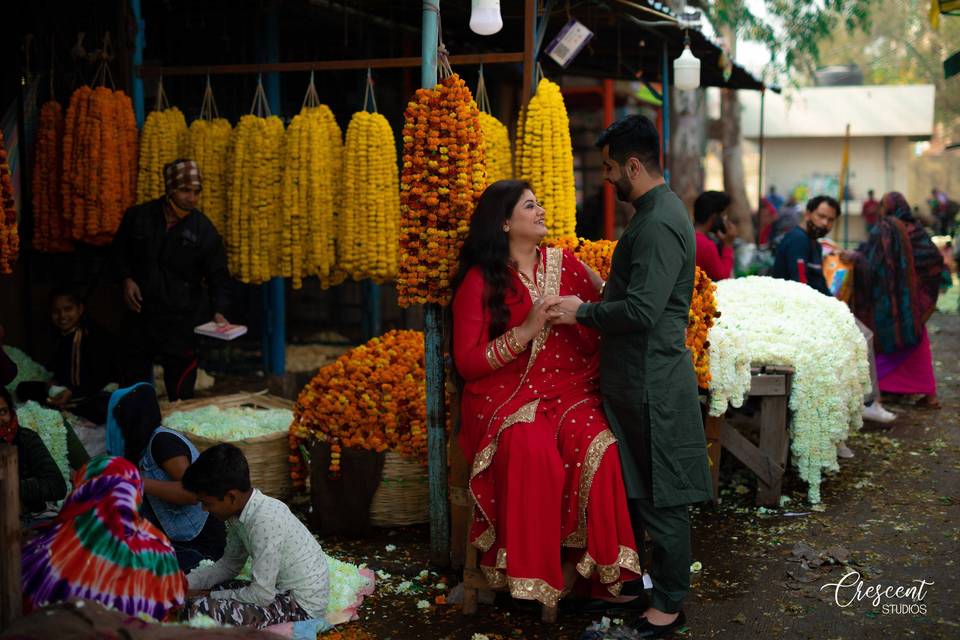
(646, 372)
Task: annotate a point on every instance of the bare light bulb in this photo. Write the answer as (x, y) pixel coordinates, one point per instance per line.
(686, 70)
(485, 17)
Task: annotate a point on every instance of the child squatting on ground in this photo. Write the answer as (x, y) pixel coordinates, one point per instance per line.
(288, 567)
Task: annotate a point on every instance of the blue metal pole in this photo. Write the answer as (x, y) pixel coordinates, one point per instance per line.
(665, 91)
(275, 337)
(136, 82)
(433, 343)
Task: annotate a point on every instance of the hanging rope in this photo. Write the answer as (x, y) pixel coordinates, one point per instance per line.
(103, 74)
(161, 103)
(483, 100)
(311, 99)
(443, 61)
(208, 108)
(369, 96)
(260, 106)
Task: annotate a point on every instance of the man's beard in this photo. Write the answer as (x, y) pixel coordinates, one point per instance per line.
(623, 187)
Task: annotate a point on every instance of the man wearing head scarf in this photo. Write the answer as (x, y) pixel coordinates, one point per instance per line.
(165, 251)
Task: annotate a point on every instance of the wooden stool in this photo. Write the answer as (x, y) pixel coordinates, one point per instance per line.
(768, 460)
(462, 553)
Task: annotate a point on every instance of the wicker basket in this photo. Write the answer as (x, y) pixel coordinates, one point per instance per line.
(403, 496)
(266, 455)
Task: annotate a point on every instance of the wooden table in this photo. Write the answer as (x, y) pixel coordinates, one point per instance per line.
(768, 460)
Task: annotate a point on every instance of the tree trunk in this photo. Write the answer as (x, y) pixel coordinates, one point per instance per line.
(688, 142)
(734, 182)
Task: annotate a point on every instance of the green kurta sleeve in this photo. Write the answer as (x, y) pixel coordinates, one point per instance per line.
(656, 260)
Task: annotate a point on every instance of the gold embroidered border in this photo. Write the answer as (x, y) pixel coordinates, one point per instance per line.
(522, 588)
(563, 416)
(506, 355)
(627, 559)
(492, 357)
(513, 342)
(591, 462)
(486, 539)
(526, 413)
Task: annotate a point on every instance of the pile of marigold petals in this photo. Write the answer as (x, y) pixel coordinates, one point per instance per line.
(254, 199)
(164, 139)
(369, 219)
(9, 238)
(209, 141)
(544, 157)
(372, 397)
(99, 177)
(50, 233)
(703, 313)
(443, 176)
(499, 159)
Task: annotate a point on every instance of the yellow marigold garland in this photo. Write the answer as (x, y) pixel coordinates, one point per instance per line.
(499, 160)
(443, 176)
(164, 139)
(373, 397)
(209, 141)
(9, 238)
(544, 157)
(254, 175)
(51, 234)
(369, 220)
(99, 163)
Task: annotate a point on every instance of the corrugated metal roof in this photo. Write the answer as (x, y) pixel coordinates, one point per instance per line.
(872, 110)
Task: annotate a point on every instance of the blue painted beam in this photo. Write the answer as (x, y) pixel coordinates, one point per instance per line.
(136, 82)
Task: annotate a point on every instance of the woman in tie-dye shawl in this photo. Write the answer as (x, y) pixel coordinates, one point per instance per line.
(99, 548)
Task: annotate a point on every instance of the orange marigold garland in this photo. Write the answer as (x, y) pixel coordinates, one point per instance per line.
(703, 312)
(596, 254)
(373, 397)
(99, 163)
(51, 234)
(9, 238)
(443, 176)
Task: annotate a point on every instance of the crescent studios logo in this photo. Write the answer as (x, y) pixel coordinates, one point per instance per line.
(907, 600)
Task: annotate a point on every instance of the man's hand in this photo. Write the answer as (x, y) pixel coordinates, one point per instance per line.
(728, 233)
(567, 307)
(219, 319)
(131, 295)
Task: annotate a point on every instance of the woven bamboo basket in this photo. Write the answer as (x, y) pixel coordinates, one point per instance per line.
(403, 496)
(266, 455)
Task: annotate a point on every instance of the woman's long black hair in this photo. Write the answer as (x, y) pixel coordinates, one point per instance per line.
(486, 246)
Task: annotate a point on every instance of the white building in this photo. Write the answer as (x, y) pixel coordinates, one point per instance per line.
(804, 131)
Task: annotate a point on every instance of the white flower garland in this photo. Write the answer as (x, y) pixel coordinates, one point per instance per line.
(27, 369)
(48, 424)
(778, 322)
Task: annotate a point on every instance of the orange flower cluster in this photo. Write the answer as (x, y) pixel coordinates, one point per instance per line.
(9, 237)
(51, 234)
(373, 397)
(596, 254)
(443, 176)
(99, 163)
(703, 312)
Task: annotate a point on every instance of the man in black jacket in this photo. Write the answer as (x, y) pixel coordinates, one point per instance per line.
(165, 251)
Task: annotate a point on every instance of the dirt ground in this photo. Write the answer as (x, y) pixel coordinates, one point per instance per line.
(891, 514)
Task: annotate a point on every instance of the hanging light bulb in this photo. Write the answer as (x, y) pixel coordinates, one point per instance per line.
(485, 17)
(686, 69)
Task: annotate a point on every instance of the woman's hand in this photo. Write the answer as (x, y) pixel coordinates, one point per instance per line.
(542, 314)
(567, 310)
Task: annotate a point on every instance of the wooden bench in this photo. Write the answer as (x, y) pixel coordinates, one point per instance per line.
(10, 599)
(768, 460)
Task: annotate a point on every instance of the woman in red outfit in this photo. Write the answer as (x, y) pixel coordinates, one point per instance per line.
(545, 469)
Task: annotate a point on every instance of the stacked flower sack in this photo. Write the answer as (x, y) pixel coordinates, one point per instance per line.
(544, 158)
(372, 397)
(443, 176)
(703, 312)
(767, 321)
(50, 233)
(99, 163)
(164, 139)
(9, 238)
(499, 160)
(254, 194)
(370, 217)
(208, 144)
(311, 183)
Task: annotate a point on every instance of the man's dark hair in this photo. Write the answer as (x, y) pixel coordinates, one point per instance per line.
(63, 291)
(216, 471)
(709, 203)
(815, 202)
(633, 136)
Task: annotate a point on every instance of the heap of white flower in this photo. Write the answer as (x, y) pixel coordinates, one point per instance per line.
(48, 424)
(229, 425)
(767, 321)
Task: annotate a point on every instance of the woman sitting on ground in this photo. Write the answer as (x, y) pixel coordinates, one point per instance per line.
(99, 548)
(134, 431)
(550, 504)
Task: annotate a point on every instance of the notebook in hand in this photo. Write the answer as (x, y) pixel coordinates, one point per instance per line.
(221, 332)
